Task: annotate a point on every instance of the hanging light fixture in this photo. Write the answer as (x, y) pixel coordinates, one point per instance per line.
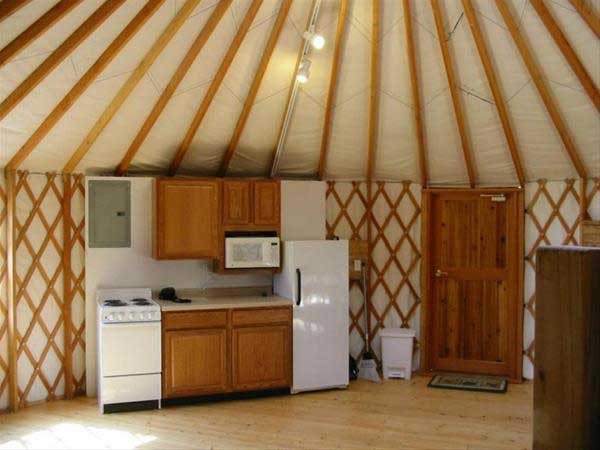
(303, 71)
(316, 40)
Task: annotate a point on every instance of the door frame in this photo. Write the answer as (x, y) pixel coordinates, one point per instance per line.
(426, 272)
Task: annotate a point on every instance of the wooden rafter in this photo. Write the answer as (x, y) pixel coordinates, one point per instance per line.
(374, 93)
(36, 29)
(416, 93)
(492, 79)
(84, 82)
(535, 72)
(588, 15)
(58, 55)
(331, 93)
(567, 50)
(9, 7)
(127, 88)
(293, 83)
(214, 85)
(171, 87)
(453, 86)
(256, 82)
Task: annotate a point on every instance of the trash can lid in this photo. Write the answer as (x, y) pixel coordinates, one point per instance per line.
(397, 332)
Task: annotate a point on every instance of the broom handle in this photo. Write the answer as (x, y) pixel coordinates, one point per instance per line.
(366, 296)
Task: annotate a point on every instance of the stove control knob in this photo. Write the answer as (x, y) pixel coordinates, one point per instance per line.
(131, 316)
(120, 316)
(110, 317)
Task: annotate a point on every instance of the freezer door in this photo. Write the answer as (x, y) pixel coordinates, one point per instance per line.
(320, 315)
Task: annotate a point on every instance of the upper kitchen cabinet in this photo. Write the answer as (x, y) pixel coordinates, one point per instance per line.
(187, 218)
(250, 204)
(237, 202)
(266, 202)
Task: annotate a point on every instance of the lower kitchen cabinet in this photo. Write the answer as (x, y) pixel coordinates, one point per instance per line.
(195, 362)
(261, 357)
(235, 350)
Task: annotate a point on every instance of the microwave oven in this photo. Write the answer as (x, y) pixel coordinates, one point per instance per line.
(251, 252)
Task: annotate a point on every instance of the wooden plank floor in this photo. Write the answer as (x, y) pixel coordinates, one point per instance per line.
(396, 414)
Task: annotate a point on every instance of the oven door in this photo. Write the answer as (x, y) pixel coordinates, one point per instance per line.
(130, 349)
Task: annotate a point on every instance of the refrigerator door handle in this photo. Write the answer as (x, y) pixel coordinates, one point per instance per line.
(299, 287)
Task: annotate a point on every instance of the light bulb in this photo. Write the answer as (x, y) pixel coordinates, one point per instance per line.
(303, 71)
(318, 41)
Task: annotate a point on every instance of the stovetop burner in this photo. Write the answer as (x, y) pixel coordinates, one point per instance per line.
(114, 302)
(140, 302)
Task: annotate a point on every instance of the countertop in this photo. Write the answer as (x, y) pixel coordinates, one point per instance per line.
(200, 303)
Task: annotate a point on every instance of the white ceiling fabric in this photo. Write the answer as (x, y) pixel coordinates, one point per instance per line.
(542, 151)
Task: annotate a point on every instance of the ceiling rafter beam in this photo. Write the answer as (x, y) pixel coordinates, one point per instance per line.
(214, 85)
(84, 82)
(183, 68)
(567, 50)
(9, 7)
(374, 92)
(453, 86)
(416, 94)
(588, 15)
(58, 55)
(492, 79)
(293, 91)
(256, 82)
(127, 88)
(36, 29)
(535, 72)
(340, 32)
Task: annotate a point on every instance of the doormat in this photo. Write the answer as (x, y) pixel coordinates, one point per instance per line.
(461, 382)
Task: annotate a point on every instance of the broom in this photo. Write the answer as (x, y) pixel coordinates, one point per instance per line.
(368, 367)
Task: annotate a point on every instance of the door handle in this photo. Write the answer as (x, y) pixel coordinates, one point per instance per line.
(439, 273)
(298, 287)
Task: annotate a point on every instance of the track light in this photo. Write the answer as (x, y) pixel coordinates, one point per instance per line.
(303, 71)
(316, 40)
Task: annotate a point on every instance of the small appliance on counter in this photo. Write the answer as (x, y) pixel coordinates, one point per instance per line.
(315, 277)
(251, 252)
(129, 350)
(170, 294)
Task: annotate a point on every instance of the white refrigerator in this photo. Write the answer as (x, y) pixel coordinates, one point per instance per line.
(315, 276)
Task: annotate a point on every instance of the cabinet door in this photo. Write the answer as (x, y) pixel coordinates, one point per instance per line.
(188, 219)
(261, 357)
(236, 202)
(266, 202)
(194, 362)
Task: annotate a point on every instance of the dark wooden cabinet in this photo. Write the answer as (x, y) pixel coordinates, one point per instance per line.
(187, 218)
(220, 351)
(566, 399)
(237, 198)
(266, 202)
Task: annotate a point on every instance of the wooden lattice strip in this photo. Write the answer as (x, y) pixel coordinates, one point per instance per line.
(75, 223)
(37, 306)
(4, 368)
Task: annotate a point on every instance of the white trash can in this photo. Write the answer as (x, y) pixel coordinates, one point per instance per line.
(396, 352)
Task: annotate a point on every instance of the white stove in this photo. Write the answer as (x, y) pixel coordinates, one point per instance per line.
(129, 350)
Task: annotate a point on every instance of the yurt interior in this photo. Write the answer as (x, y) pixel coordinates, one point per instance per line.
(316, 224)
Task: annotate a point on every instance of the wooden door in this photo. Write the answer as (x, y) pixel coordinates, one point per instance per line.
(474, 282)
(195, 362)
(188, 219)
(261, 357)
(236, 202)
(266, 202)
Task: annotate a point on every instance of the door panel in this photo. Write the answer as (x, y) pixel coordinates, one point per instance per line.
(206, 372)
(236, 202)
(266, 202)
(474, 276)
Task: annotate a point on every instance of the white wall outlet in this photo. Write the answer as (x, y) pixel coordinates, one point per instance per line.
(357, 265)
